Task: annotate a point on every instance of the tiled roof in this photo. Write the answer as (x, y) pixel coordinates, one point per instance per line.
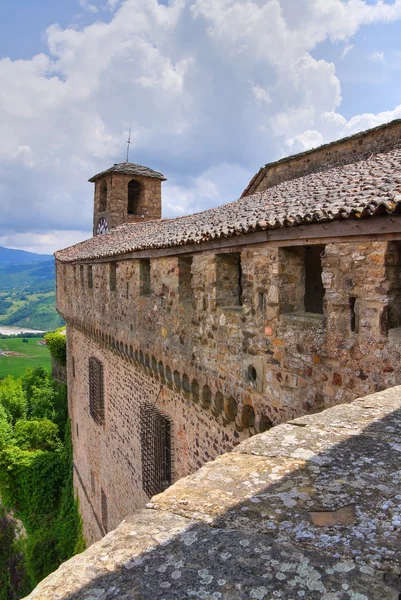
(129, 169)
(318, 149)
(361, 189)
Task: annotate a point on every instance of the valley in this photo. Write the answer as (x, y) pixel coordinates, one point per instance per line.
(27, 291)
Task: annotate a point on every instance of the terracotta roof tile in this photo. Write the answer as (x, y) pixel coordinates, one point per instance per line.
(129, 169)
(361, 189)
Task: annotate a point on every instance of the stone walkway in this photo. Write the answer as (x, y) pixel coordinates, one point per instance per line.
(310, 509)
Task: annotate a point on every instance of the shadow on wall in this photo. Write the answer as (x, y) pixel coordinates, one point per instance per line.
(310, 509)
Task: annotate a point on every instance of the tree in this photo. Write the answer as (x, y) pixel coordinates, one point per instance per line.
(13, 399)
(40, 434)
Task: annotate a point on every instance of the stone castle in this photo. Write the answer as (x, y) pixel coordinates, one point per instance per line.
(187, 336)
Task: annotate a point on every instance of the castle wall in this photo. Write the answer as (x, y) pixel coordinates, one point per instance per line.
(109, 457)
(230, 356)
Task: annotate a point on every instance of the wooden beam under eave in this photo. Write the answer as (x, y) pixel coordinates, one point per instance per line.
(370, 229)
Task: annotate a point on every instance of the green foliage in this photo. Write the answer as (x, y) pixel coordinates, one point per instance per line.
(13, 582)
(57, 343)
(47, 398)
(41, 554)
(6, 429)
(36, 476)
(13, 399)
(5, 304)
(36, 435)
(69, 522)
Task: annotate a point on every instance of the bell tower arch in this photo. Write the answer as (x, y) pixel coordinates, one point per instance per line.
(126, 193)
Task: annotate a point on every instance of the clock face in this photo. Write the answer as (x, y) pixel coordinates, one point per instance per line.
(102, 226)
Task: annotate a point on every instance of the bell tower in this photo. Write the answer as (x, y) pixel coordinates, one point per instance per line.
(126, 193)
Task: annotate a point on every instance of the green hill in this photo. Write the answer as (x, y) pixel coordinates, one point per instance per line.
(17, 257)
(27, 295)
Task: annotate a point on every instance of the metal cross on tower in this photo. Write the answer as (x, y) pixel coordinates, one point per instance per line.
(128, 143)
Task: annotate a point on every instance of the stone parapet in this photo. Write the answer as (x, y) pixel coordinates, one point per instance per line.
(309, 509)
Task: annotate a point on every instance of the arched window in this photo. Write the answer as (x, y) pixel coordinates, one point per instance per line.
(134, 193)
(103, 197)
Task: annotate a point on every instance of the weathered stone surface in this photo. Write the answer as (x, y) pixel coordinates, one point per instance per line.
(212, 564)
(314, 519)
(305, 469)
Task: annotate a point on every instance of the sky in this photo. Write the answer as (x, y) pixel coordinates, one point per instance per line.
(212, 89)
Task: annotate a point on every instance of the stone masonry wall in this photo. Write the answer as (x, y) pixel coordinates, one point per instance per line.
(330, 155)
(108, 457)
(226, 372)
(117, 199)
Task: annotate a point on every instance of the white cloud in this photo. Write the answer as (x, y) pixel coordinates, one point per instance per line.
(347, 49)
(377, 56)
(213, 89)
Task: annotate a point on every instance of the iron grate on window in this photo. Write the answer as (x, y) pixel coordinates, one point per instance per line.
(155, 449)
(96, 391)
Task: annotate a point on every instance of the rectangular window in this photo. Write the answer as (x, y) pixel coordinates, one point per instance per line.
(82, 276)
(90, 277)
(113, 276)
(301, 288)
(144, 276)
(73, 366)
(393, 277)
(104, 510)
(353, 319)
(314, 290)
(185, 278)
(75, 275)
(93, 482)
(155, 431)
(228, 280)
(96, 391)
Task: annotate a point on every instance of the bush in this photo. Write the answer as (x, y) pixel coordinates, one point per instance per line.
(36, 474)
(57, 344)
(36, 435)
(13, 399)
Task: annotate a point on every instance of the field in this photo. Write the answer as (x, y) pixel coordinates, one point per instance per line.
(28, 354)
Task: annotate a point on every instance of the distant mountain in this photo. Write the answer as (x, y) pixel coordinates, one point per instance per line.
(18, 257)
(27, 290)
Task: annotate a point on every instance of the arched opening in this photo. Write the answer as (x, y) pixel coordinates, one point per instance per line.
(103, 197)
(134, 193)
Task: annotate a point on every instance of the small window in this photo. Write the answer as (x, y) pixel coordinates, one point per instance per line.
(155, 431)
(393, 277)
(185, 278)
(134, 195)
(353, 320)
(73, 366)
(103, 197)
(229, 280)
(104, 510)
(75, 276)
(90, 277)
(93, 482)
(144, 276)
(96, 391)
(314, 290)
(302, 287)
(113, 276)
(82, 275)
(77, 429)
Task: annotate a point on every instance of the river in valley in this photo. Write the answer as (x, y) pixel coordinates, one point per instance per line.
(17, 330)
